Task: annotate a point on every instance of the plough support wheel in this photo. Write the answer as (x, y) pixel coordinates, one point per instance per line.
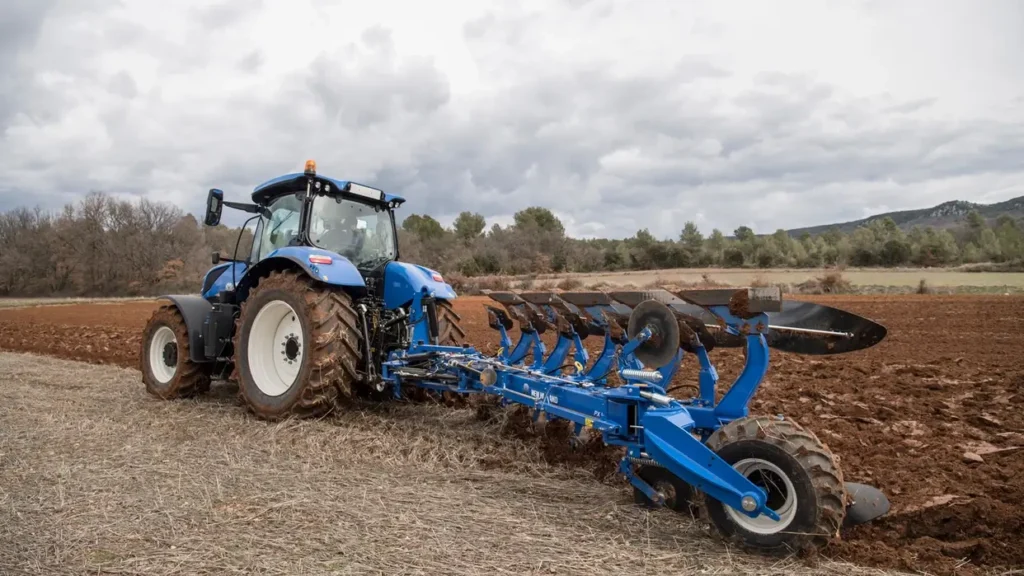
(801, 476)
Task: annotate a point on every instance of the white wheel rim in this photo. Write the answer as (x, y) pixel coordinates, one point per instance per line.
(163, 337)
(275, 348)
(779, 487)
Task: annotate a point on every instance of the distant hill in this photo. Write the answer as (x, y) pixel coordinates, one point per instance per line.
(945, 215)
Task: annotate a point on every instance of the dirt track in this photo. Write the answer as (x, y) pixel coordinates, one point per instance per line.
(947, 381)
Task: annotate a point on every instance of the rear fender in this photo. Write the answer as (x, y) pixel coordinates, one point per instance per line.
(339, 272)
(402, 281)
(194, 309)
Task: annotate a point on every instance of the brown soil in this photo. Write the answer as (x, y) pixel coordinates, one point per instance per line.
(932, 415)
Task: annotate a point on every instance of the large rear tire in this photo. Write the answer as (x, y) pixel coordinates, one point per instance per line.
(802, 478)
(167, 370)
(296, 347)
(449, 325)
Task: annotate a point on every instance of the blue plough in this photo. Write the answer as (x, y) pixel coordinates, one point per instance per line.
(764, 482)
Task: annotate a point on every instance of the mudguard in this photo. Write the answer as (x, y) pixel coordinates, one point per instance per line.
(338, 271)
(402, 280)
(194, 309)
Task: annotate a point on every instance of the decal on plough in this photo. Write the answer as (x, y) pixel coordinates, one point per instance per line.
(765, 482)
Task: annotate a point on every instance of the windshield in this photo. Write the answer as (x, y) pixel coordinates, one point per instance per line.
(359, 232)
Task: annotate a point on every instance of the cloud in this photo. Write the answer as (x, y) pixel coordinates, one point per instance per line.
(615, 117)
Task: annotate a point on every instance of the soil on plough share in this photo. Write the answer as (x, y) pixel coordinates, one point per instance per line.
(932, 416)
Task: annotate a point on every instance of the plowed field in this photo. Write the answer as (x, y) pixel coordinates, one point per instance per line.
(934, 415)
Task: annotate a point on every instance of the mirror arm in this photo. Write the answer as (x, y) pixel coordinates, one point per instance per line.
(246, 207)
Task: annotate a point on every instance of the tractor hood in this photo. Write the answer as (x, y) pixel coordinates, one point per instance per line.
(403, 280)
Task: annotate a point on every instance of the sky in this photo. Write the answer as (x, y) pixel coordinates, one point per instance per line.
(615, 115)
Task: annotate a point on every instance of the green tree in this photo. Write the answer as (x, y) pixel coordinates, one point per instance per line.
(975, 221)
(783, 242)
(972, 253)
(895, 252)
(989, 245)
(536, 217)
(832, 236)
(691, 237)
(469, 225)
(744, 234)
(424, 227)
(733, 257)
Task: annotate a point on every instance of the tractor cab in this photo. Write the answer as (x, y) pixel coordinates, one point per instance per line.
(349, 219)
(324, 216)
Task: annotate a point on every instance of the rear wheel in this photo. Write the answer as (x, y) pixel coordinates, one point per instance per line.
(167, 370)
(296, 347)
(449, 325)
(800, 475)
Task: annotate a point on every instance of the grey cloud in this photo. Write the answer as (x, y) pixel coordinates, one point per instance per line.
(378, 87)
(123, 85)
(252, 62)
(20, 23)
(609, 152)
(226, 13)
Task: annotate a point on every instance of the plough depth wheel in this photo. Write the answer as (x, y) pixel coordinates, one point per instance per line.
(800, 475)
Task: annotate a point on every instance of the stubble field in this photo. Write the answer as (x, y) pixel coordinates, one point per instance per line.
(98, 476)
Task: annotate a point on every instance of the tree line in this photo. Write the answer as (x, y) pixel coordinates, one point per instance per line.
(104, 246)
(536, 243)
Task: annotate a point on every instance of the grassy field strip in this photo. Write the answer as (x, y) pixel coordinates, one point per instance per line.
(857, 277)
(23, 302)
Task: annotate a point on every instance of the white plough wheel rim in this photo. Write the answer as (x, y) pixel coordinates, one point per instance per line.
(781, 497)
(275, 348)
(163, 354)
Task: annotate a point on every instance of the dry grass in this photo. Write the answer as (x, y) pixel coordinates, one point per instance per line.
(22, 302)
(97, 477)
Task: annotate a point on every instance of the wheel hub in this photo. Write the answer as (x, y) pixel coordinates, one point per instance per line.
(781, 496)
(170, 354)
(667, 492)
(290, 348)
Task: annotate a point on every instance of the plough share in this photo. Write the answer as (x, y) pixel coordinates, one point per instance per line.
(764, 482)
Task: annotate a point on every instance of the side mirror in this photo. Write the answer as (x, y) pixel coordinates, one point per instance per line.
(214, 205)
(216, 257)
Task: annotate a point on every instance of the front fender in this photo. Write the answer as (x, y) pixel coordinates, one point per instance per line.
(403, 280)
(194, 309)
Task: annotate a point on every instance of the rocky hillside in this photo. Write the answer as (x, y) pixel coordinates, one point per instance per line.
(945, 215)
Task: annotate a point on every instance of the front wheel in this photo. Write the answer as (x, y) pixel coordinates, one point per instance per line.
(800, 475)
(167, 370)
(296, 347)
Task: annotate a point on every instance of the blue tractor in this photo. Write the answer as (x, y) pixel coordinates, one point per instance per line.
(304, 320)
(321, 311)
